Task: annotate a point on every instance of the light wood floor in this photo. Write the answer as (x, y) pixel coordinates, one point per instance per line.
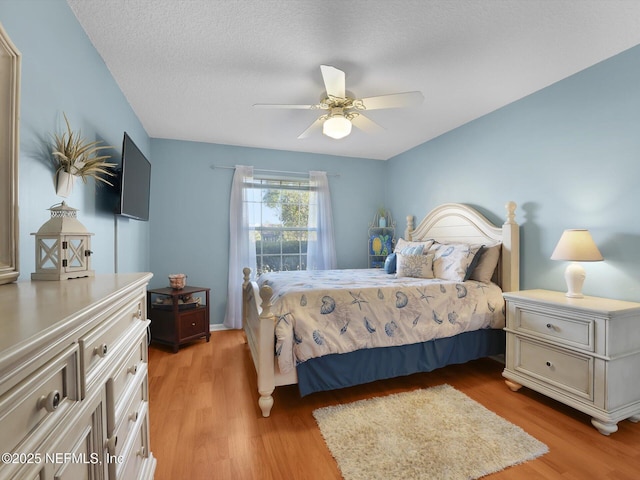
(206, 424)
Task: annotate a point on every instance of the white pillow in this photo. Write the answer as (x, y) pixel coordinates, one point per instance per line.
(454, 261)
(417, 266)
(487, 263)
(403, 244)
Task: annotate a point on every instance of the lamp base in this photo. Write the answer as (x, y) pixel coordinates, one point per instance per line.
(574, 275)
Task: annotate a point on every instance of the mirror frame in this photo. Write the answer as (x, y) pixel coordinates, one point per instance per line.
(9, 147)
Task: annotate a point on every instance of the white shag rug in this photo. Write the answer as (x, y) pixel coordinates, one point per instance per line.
(436, 433)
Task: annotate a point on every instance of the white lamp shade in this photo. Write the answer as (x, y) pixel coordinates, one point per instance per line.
(576, 246)
(336, 126)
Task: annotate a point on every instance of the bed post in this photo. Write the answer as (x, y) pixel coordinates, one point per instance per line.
(266, 335)
(510, 259)
(408, 233)
(246, 279)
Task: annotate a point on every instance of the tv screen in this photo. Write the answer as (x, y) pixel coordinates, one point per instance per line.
(135, 181)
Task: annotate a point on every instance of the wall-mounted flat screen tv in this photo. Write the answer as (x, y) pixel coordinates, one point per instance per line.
(135, 182)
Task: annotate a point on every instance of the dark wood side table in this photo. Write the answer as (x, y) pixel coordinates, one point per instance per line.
(176, 317)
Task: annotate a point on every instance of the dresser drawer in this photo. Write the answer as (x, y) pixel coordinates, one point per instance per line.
(40, 401)
(127, 372)
(565, 370)
(97, 345)
(136, 450)
(130, 414)
(561, 329)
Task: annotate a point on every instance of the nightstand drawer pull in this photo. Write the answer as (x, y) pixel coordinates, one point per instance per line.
(549, 326)
(133, 369)
(49, 402)
(133, 417)
(549, 364)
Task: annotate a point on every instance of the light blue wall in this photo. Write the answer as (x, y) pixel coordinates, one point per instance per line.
(569, 155)
(190, 207)
(62, 72)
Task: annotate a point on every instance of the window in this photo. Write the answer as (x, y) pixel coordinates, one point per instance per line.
(278, 218)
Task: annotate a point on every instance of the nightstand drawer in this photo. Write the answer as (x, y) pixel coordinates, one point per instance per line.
(560, 329)
(568, 371)
(193, 323)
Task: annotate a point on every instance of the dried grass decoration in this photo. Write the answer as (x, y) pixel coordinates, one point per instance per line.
(73, 156)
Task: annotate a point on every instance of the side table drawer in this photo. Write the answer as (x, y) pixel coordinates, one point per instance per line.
(559, 328)
(568, 371)
(193, 323)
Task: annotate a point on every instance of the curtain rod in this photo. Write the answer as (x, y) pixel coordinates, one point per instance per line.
(213, 167)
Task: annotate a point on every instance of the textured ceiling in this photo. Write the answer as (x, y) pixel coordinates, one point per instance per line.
(192, 69)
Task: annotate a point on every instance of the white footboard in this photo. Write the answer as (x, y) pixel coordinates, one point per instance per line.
(259, 326)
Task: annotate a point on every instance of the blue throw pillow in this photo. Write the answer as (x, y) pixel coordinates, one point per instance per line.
(390, 264)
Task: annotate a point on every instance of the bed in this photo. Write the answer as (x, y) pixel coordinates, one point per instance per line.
(285, 352)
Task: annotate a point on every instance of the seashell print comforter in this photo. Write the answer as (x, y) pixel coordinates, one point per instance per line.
(322, 312)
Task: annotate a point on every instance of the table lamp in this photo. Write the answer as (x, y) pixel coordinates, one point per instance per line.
(576, 246)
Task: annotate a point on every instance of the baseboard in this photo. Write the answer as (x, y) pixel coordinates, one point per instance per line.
(217, 327)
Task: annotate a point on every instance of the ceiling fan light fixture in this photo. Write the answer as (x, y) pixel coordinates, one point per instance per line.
(336, 126)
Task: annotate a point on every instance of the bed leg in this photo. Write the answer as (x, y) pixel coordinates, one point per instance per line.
(266, 402)
(266, 370)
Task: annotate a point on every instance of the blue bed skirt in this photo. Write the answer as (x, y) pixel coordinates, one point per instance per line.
(363, 366)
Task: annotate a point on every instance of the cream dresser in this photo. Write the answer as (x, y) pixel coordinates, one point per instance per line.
(73, 379)
(582, 352)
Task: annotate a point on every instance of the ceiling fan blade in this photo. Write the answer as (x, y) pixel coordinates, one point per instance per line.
(333, 81)
(317, 125)
(365, 124)
(275, 105)
(394, 100)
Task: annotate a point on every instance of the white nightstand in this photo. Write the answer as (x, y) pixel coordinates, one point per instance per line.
(583, 352)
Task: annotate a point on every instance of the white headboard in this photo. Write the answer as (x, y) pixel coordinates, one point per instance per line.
(454, 222)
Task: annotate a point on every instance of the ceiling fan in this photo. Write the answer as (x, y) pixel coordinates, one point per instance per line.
(344, 111)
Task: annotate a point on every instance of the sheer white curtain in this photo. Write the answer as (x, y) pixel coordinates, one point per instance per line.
(321, 250)
(242, 245)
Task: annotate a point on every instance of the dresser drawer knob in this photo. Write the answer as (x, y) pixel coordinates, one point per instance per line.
(142, 452)
(133, 369)
(193, 324)
(49, 402)
(549, 326)
(112, 443)
(102, 350)
(549, 364)
(133, 417)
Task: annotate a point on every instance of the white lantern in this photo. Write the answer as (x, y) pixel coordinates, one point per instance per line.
(63, 247)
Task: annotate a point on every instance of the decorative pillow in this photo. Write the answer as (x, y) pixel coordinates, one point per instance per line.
(418, 266)
(454, 261)
(487, 264)
(390, 264)
(403, 244)
(411, 250)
